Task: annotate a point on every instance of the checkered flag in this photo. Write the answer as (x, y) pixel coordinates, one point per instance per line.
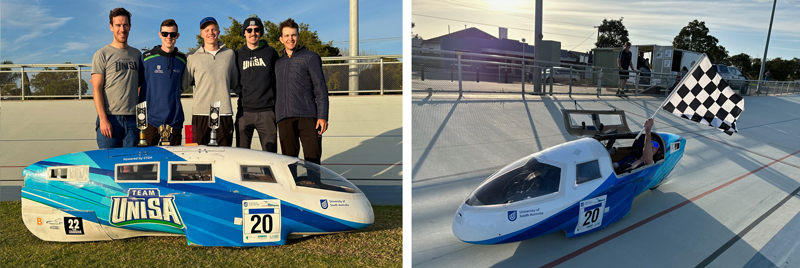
(705, 98)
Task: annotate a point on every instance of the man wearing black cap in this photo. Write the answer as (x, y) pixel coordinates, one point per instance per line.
(256, 63)
(302, 99)
(212, 69)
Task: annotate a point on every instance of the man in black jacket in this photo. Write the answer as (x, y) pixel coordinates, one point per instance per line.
(302, 97)
(256, 62)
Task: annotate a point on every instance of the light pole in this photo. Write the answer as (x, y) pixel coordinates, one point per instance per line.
(766, 47)
(523, 62)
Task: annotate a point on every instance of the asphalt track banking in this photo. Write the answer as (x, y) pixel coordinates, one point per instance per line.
(722, 248)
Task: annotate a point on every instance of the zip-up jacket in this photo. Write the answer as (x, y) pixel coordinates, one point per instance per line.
(257, 77)
(301, 86)
(162, 86)
(214, 78)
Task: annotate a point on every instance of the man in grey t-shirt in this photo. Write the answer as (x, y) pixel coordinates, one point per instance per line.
(116, 77)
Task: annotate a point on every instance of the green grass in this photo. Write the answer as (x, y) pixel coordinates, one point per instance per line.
(379, 245)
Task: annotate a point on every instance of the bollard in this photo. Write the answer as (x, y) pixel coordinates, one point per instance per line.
(506, 76)
(477, 74)
(423, 72)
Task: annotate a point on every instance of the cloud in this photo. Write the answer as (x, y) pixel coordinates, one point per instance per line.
(17, 17)
(74, 46)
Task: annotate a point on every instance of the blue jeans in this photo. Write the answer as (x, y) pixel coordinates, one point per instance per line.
(123, 132)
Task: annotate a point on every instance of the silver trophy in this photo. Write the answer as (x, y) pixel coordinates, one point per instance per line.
(166, 131)
(213, 123)
(141, 121)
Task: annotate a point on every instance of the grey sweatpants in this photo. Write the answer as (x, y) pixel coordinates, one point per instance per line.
(264, 123)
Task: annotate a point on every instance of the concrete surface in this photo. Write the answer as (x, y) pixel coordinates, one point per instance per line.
(363, 142)
(731, 202)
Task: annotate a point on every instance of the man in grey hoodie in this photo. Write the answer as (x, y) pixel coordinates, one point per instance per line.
(212, 70)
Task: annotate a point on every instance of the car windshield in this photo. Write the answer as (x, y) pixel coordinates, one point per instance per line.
(722, 69)
(307, 174)
(516, 182)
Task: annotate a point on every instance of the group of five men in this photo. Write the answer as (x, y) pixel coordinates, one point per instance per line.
(285, 94)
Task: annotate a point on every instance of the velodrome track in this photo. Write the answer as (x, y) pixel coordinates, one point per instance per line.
(732, 201)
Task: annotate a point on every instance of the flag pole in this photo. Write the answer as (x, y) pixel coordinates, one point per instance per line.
(697, 64)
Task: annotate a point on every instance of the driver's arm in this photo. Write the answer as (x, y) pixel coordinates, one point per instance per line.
(647, 156)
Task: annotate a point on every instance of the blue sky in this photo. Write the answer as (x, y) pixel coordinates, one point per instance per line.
(740, 25)
(71, 31)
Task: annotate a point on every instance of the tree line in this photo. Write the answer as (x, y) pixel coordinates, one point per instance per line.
(695, 37)
(65, 83)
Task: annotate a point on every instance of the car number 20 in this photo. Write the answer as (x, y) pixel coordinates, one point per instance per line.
(264, 220)
(591, 214)
(261, 220)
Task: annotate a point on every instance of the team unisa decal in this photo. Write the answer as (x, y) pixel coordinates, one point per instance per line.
(144, 206)
(323, 203)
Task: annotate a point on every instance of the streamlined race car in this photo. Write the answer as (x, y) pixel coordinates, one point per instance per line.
(215, 196)
(572, 187)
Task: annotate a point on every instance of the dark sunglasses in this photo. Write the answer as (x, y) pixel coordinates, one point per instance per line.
(250, 30)
(171, 34)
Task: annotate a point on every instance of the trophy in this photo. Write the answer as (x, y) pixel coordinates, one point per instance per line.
(166, 131)
(141, 121)
(213, 123)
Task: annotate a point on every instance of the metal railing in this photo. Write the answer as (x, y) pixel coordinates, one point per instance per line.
(378, 74)
(460, 72)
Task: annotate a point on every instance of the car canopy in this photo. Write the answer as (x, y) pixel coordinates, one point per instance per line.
(581, 123)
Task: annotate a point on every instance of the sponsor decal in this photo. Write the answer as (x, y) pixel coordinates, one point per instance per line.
(323, 203)
(512, 215)
(138, 158)
(54, 227)
(55, 222)
(334, 203)
(73, 225)
(144, 206)
(530, 212)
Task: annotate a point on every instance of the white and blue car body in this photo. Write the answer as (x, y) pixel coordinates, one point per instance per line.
(571, 187)
(215, 196)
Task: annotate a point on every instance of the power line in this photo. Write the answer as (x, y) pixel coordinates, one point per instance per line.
(521, 29)
(584, 40)
(374, 40)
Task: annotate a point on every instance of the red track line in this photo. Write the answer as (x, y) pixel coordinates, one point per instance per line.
(656, 216)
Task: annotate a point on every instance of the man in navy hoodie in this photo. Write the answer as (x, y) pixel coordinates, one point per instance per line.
(302, 97)
(163, 69)
(256, 62)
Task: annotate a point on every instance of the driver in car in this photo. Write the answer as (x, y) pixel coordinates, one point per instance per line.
(633, 160)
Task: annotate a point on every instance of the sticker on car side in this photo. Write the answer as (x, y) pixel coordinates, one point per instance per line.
(261, 221)
(590, 214)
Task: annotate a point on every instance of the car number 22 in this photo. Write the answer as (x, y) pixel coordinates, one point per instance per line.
(591, 214)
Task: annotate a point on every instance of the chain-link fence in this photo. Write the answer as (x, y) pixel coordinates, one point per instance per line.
(462, 72)
(380, 74)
